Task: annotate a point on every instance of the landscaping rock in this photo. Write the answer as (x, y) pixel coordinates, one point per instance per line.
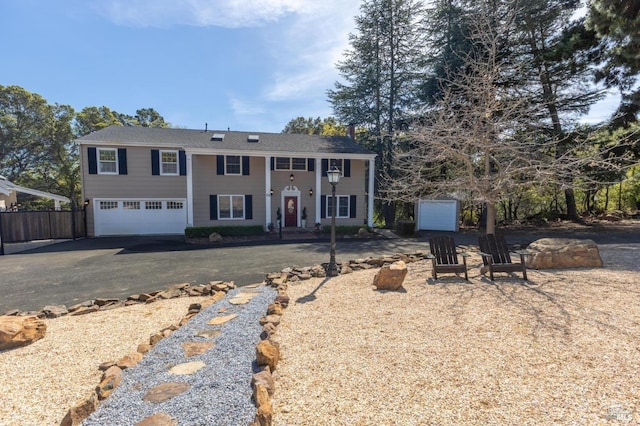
(55, 311)
(562, 253)
(267, 353)
(159, 419)
(166, 391)
(20, 331)
(391, 277)
(80, 411)
(129, 361)
(214, 237)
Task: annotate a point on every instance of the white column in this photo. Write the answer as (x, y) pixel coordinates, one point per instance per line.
(56, 204)
(318, 189)
(372, 168)
(267, 189)
(189, 189)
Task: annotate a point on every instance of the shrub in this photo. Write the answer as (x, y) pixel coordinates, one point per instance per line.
(405, 228)
(345, 229)
(225, 231)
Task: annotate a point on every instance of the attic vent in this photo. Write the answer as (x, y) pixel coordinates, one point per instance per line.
(217, 137)
(253, 138)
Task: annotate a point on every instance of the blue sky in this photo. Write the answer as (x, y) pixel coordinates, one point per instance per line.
(243, 64)
(239, 64)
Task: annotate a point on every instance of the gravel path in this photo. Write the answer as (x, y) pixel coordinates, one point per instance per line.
(220, 392)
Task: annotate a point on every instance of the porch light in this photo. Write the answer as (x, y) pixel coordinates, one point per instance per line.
(311, 192)
(333, 175)
(291, 177)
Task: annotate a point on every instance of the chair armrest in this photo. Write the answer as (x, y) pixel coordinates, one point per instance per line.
(485, 254)
(522, 252)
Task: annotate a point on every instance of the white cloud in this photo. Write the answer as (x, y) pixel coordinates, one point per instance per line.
(245, 107)
(222, 13)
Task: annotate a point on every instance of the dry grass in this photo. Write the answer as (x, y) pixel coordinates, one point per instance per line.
(562, 349)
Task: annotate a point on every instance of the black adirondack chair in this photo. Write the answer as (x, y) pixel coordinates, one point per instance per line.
(496, 257)
(444, 257)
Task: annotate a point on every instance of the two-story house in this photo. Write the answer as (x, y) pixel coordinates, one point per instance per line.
(140, 180)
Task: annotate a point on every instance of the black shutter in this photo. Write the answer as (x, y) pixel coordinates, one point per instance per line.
(273, 163)
(92, 156)
(182, 163)
(122, 161)
(347, 168)
(155, 162)
(352, 206)
(325, 166)
(311, 164)
(323, 207)
(248, 207)
(220, 164)
(213, 207)
(245, 166)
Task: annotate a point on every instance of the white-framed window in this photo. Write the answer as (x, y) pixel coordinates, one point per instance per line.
(153, 205)
(288, 163)
(169, 163)
(108, 205)
(343, 206)
(233, 165)
(107, 161)
(230, 207)
(131, 205)
(175, 205)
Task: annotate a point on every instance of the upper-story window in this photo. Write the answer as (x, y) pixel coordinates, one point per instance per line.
(169, 163)
(233, 165)
(287, 163)
(107, 161)
(337, 163)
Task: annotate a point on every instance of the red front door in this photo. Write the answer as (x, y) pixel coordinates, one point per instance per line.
(290, 211)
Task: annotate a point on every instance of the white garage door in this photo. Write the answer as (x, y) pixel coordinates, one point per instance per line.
(438, 215)
(140, 217)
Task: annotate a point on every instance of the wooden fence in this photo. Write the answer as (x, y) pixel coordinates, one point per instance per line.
(42, 225)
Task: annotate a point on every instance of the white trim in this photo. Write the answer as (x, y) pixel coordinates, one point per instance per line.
(290, 191)
(372, 177)
(318, 193)
(231, 207)
(162, 163)
(267, 191)
(189, 189)
(98, 161)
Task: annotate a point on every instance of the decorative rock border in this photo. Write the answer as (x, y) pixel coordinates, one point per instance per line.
(112, 370)
(268, 349)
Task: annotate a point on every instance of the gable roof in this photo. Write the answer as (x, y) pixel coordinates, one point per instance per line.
(232, 141)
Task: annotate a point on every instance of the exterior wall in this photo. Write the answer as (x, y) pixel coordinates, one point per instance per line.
(138, 183)
(207, 182)
(353, 185)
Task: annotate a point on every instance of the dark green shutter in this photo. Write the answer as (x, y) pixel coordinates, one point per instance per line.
(273, 163)
(352, 206)
(155, 162)
(245, 166)
(220, 164)
(182, 163)
(325, 166)
(213, 207)
(122, 161)
(248, 207)
(311, 164)
(92, 157)
(323, 207)
(347, 168)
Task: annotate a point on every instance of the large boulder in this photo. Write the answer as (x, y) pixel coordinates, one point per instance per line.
(391, 277)
(563, 253)
(20, 331)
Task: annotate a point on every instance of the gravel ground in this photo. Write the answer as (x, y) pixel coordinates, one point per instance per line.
(220, 392)
(562, 349)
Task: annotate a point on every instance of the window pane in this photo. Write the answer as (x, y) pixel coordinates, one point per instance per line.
(108, 205)
(153, 205)
(106, 167)
(233, 165)
(238, 205)
(107, 161)
(169, 157)
(329, 206)
(169, 168)
(108, 155)
(283, 163)
(169, 163)
(175, 205)
(343, 206)
(337, 163)
(224, 207)
(299, 163)
(131, 205)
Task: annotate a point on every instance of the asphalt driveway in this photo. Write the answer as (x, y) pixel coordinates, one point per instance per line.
(75, 271)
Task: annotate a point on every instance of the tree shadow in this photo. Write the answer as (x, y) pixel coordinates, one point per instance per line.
(312, 296)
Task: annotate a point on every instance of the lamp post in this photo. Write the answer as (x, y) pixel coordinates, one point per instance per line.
(334, 177)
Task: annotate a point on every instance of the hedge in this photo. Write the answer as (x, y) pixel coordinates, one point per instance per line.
(345, 229)
(225, 231)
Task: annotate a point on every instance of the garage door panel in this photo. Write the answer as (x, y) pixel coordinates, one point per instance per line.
(438, 215)
(140, 217)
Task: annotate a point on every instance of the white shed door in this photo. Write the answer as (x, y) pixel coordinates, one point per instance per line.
(438, 215)
(140, 217)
